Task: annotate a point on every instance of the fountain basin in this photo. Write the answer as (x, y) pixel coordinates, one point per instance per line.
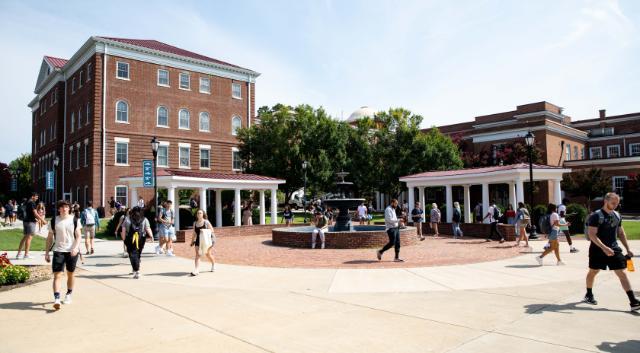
(360, 237)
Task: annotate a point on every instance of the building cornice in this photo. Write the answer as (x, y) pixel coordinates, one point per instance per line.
(607, 120)
(603, 161)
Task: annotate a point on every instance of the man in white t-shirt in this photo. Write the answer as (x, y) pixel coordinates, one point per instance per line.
(562, 212)
(362, 213)
(493, 215)
(64, 238)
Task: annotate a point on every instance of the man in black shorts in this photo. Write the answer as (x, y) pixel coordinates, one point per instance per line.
(605, 227)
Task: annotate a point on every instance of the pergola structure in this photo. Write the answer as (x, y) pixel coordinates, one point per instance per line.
(514, 175)
(175, 179)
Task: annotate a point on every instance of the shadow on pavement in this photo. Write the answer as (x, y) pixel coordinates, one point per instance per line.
(466, 242)
(569, 307)
(357, 262)
(167, 274)
(523, 266)
(26, 306)
(630, 346)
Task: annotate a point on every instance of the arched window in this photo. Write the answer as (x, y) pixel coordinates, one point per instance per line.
(236, 123)
(122, 112)
(183, 119)
(204, 121)
(163, 116)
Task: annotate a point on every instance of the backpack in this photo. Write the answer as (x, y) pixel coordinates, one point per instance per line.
(22, 211)
(135, 231)
(600, 214)
(53, 229)
(88, 216)
(456, 215)
(496, 213)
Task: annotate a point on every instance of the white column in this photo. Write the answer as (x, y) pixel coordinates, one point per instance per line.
(238, 213)
(411, 197)
(421, 196)
(449, 201)
(378, 200)
(512, 196)
(519, 191)
(557, 192)
(274, 206)
(134, 197)
(171, 195)
(485, 201)
(203, 199)
(218, 208)
(262, 207)
(467, 205)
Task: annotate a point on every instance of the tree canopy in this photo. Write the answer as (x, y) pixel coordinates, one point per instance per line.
(591, 183)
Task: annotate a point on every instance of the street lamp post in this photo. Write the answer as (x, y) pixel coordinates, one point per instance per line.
(56, 161)
(530, 140)
(154, 148)
(305, 164)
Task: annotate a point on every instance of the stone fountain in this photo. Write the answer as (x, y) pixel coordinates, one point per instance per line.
(343, 204)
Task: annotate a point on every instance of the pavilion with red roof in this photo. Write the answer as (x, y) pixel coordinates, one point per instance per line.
(514, 175)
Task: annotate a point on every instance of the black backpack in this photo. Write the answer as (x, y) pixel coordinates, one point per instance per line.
(456, 215)
(496, 213)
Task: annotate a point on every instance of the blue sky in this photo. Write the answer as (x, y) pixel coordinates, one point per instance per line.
(445, 60)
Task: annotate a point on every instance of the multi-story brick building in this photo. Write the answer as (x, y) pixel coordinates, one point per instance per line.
(97, 112)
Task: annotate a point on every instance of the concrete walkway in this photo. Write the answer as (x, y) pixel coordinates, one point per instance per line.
(509, 305)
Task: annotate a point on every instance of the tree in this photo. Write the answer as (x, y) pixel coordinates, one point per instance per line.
(21, 166)
(591, 183)
(5, 181)
(508, 153)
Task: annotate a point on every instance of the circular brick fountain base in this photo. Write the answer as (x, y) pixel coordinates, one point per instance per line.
(361, 237)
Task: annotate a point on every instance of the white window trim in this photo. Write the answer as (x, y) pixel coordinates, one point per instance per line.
(613, 181)
(115, 150)
(208, 148)
(89, 67)
(591, 149)
(234, 96)
(180, 81)
(157, 115)
(168, 79)
(128, 78)
(70, 158)
(128, 112)
(86, 152)
(164, 144)
(200, 85)
(115, 193)
(184, 145)
(199, 122)
(73, 86)
(631, 145)
(233, 132)
(233, 150)
(609, 155)
(188, 121)
(567, 156)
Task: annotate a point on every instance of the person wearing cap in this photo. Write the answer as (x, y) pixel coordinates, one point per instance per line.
(320, 222)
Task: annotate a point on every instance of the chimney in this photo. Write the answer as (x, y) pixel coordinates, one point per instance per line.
(603, 114)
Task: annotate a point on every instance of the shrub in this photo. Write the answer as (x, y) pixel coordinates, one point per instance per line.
(15, 274)
(578, 219)
(4, 260)
(3, 278)
(539, 215)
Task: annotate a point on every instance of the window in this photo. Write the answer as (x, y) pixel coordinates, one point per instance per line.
(163, 156)
(51, 133)
(51, 100)
(122, 71)
(582, 153)
(205, 85)
(575, 152)
(55, 96)
(184, 155)
(73, 121)
(185, 81)
(634, 149)
(88, 113)
(568, 153)
(55, 126)
(73, 85)
(236, 90)
(80, 78)
(86, 154)
(79, 118)
(163, 117)
(163, 77)
(205, 157)
(122, 112)
(236, 123)
(204, 121)
(89, 67)
(78, 156)
(613, 151)
(235, 159)
(595, 152)
(71, 158)
(122, 152)
(121, 194)
(618, 184)
(183, 119)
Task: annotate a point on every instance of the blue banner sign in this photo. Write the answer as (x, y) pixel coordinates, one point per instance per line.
(147, 173)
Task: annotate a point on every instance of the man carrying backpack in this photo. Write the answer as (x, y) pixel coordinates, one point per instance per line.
(135, 230)
(494, 217)
(64, 238)
(90, 222)
(605, 227)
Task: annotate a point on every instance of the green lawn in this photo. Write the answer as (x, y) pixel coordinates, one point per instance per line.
(632, 229)
(10, 239)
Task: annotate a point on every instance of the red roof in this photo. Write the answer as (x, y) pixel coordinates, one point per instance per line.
(56, 62)
(479, 170)
(207, 175)
(163, 47)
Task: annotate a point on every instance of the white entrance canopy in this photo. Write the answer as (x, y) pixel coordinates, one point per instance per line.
(514, 175)
(175, 179)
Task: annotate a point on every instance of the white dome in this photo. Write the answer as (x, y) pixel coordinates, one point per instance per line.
(361, 113)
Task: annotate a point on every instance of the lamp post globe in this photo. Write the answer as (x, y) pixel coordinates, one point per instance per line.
(530, 141)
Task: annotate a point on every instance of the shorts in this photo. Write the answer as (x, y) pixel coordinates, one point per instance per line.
(598, 260)
(29, 228)
(362, 218)
(90, 231)
(167, 232)
(553, 235)
(62, 260)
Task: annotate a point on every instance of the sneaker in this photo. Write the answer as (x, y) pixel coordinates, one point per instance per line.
(573, 250)
(501, 241)
(590, 300)
(379, 255)
(158, 251)
(170, 253)
(547, 246)
(422, 238)
(136, 275)
(67, 299)
(322, 247)
(124, 254)
(560, 263)
(539, 259)
(398, 260)
(635, 305)
(18, 257)
(193, 274)
(91, 251)
(487, 240)
(213, 268)
(27, 257)
(56, 304)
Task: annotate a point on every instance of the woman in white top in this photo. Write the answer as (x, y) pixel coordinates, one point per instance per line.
(199, 225)
(554, 221)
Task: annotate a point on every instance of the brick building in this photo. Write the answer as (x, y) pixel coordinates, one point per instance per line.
(97, 112)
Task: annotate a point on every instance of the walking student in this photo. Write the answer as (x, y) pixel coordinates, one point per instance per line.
(31, 217)
(90, 223)
(604, 229)
(554, 221)
(134, 231)
(167, 231)
(523, 219)
(562, 211)
(392, 226)
(320, 222)
(119, 231)
(203, 239)
(477, 211)
(456, 219)
(494, 216)
(417, 215)
(64, 238)
(435, 216)
(362, 213)
(287, 215)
